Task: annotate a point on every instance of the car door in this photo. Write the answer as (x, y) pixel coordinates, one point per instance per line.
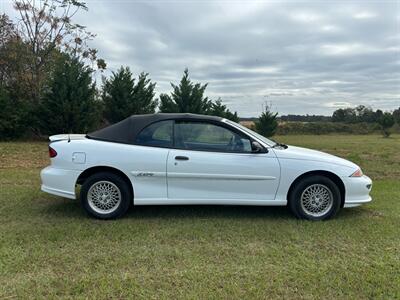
(214, 164)
(147, 162)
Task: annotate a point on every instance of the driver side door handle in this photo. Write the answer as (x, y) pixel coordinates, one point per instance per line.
(181, 157)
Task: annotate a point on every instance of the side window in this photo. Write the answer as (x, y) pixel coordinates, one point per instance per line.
(209, 137)
(156, 135)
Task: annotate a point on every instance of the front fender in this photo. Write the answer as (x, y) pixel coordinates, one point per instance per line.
(291, 169)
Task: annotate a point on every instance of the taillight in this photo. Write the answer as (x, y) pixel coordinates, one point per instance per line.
(52, 152)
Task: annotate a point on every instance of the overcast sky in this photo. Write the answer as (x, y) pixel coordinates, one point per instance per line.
(303, 57)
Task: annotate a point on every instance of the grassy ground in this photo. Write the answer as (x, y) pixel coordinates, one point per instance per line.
(50, 248)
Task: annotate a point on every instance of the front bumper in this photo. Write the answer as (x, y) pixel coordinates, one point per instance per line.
(59, 182)
(357, 190)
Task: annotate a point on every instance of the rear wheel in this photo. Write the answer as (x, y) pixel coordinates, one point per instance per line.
(315, 198)
(105, 195)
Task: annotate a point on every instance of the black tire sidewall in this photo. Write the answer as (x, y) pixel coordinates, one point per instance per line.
(126, 195)
(294, 199)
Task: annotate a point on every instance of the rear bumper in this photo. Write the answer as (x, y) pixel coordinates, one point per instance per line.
(357, 190)
(59, 182)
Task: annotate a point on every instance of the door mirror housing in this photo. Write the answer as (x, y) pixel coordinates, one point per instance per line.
(256, 147)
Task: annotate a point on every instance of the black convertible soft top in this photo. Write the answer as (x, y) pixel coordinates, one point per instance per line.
(126, 130)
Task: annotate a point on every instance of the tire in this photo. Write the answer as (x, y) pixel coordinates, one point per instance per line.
(315, 198)
(106, 196)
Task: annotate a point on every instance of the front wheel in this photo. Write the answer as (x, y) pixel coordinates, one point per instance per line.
(315, 198)
(105, 196)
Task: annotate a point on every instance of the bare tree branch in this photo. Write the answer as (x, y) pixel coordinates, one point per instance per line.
(46, 27)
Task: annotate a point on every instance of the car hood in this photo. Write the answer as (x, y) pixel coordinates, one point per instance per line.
(299, 153)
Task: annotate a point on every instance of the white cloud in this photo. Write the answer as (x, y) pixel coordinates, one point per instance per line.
(330, 28)
(306, 17)
(346, 49)
(364, 15)
(337, 105)
(257, 70)
(333, 82)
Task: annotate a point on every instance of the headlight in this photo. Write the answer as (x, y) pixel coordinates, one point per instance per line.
(357, 173)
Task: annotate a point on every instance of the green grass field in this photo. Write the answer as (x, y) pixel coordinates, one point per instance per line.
(49, 248)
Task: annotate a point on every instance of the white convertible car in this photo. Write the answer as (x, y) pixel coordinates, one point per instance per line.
(161, 159)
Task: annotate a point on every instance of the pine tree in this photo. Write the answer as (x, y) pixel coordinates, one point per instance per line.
(117, 94)
(186, 97)
(267, 123)
(69, 104)
(122, 97)
(219, 109)
(143, 96)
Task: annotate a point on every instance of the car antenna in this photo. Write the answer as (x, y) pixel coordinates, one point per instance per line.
(69, 138)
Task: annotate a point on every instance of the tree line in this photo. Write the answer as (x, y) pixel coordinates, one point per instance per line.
(305, 118)
(347, 116)
(364, 114)
(358, 114)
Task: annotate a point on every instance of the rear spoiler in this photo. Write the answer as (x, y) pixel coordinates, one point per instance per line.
(66, 136)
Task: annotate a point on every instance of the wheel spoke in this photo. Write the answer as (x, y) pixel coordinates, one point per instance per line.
(104, 197)
(316, 200)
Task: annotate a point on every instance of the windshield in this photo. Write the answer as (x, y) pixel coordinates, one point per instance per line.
(251, 132)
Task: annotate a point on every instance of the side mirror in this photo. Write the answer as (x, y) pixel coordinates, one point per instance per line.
(256, 147)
